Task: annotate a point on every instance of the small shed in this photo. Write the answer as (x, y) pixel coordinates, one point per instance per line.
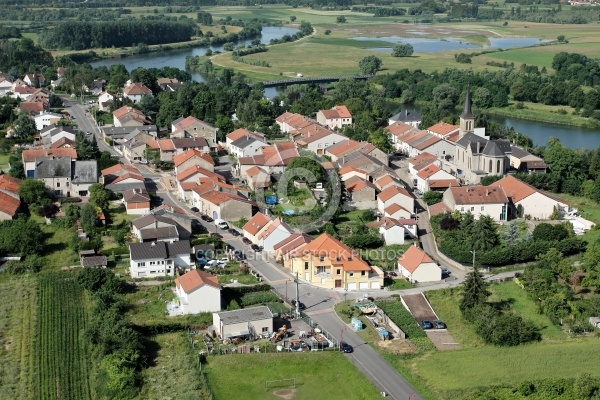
(88, 258)
(245, 323)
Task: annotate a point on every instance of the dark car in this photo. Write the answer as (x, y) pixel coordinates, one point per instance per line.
(345, 347)
(233, 232)
(194, 209)
(197, 227)
(239, 255)
(246, 241)
(426, 324)
(301, 305)
(256, 247)
(439, 324)
(206, 218)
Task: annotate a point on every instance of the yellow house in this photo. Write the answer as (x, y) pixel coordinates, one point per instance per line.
(329, 263)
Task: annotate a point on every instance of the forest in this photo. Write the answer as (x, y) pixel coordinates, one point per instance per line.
(86, 35)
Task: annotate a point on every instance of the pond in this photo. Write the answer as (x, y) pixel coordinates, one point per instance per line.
(176, 58)
(429, 45)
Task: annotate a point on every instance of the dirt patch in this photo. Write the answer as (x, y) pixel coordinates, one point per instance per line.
(419, 307)
(397, 346)
(442, 339)
(287, 394)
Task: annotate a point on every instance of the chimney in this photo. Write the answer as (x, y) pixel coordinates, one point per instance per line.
(487, 192)
(478, 147)
(152, 244)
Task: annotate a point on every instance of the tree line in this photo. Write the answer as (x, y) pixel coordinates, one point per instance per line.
(85, 35)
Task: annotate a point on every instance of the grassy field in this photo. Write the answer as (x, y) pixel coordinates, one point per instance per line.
(319, 375)
(172, 371)
(57, 252)
(4, 161)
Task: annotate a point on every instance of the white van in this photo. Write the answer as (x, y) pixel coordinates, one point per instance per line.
(221, 224)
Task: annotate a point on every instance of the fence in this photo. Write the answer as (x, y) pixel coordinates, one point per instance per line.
(198, 359)
(314, 325)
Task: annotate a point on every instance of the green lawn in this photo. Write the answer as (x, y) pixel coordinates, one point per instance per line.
(4, 161)
(245, 279)
(589, 210)
(319, 375)
(57, 250)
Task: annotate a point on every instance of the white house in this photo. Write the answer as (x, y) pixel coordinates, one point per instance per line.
(246, 146)
(272, 233)
(242, 132)
(395, 231)
(317, 139)
(416, 266)
(432, 173)
(153, 259)
(198, 292)
(104, 101)
(249, 322)
(478, 200)
(337, 117)
(395, 195)
(254, 225)
(135, 92)
(46, 119)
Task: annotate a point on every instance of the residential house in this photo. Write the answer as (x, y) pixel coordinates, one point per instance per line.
(122, 134)
(134, 150)
(135, 92)
(120, 177)
(169, 148)
(523, 161)
(129, 116)
(251, 323)
(289, 122)
(254, 225)
(63, 143)
(350, 146)
(246, 146)
(397, 130)
(295, 242)
(30, 79)
(273, 159)
(528, 200)
(272, 233)
(85, 174)
(198, 292)
(243, 132)
(137, 201)
(396, 195)
(327, 262)
(395, 231)
(478, 200)
(434, 173)
(10, 201)
(360, 193)
(350, 172)
(315, 138)
(409, 117)
(5, 85)
(195, 176)
(193, 158)
(56, 174)
(257, 177)
(420, 162)
(416, 266)
(167, 224)
(168, 84)
(385, 181)
(337, 117)
(396, 211)
(22, 92)
(53, 133)
(361, 161)
(46, 119)
(192, 127)
(225, 206)
(30, 156)
(154, 259)
(104, 101)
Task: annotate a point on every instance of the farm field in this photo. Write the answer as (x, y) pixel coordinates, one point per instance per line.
(312, 370)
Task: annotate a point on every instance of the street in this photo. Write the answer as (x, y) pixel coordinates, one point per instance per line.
(86, 124)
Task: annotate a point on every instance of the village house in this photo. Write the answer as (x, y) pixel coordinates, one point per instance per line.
(192, 127)
(420, 162)
(289, 122)
(134, 150)
(104, 101)
(416, 266)
(350, 172)
(396, 195)
(169, 148)
(168, 84)
(129, 116)
(478, 200)
(198, 292)
(154, 259)
(195, 176)
(85, 174)
(254, 225)
(242, 132)
(273, 159)
(295, 242)
(326, 262)
(193, 158)
(246, 146)
(360, 193)
(250, 323)
(29, 157)
(409, 117)
(120, 177)
(55, 172)
(45, 119)
(89, 259)
(164, 223)
(122, 134)
(30, 79)
(315, 138)
(5, 85)
(337, 117)
(272, 233)
(135, 92)
(432, 174)
(395, 231)
(137, 201)
(54, 133)
(523, 161)
(10, 201)
(224, 206)
(349, 146)
(385, 181)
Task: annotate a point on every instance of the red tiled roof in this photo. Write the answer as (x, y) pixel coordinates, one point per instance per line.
(356, 183)
(443, 128)
(443, 183)
(438, 208)
(292, 242)
(269, 228)
(256, 223)
(136, 89)
(120, 168)
(195, 169)
(32, 155)
(218, 198)
(514, 188)
(345, 147)
(394, 208)
(391, 192)
(335, 251)
(478, 195)
(241, 132)
(348, 169)
(413, 258)
(429, 171)
(9, 204)
(186, 155)
(399, 128)
(9, 183)
(194, 279)
(62, 142)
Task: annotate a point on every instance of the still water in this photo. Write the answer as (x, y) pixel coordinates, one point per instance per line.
(427, 45)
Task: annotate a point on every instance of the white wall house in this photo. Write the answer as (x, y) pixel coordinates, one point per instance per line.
(46, 119)
(198, 292)
(395, 195)
(416, 266)
(249, 322)
(395, 231)
(478, 200)
(273, 233)
(153, 259)
(246, 146)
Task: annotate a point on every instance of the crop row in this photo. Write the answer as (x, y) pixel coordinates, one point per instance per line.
(62, 355)
(401, 317)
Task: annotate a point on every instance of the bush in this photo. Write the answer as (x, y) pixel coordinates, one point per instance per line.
(401, 317)
(66, 200)
(121, 250)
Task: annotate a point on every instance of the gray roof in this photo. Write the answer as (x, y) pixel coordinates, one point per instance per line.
(407, 116)
(119, 132)
(136, 195)
(491, 149)
(53, 167)
(190, 143)
(169, 214)
(85, 171)
(245, 315)
(519, 152)
(146, 220)
(178, 120)
(467, 114)
(120, 187)
(158, 250)
(244, 142)
(94, 261)
(166, 232)
(471, 139)
(132, 144)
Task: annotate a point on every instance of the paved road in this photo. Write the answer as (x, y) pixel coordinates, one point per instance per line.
(86, 124)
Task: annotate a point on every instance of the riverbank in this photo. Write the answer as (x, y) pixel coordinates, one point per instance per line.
(558, 115)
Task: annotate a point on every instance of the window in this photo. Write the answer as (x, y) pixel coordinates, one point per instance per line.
(305, 266)
(362, 273)
(322, 258)
(462, 209)
(321, 270)
(498, 166)
(141, 264)
(265, 329)
(57, 184)
(152, 262)
(472, 208)
(351, 274)
(490, 166)
(338, 271)
(482, 207)
(67, 184)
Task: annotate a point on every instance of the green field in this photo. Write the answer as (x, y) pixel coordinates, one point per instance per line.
(4, 162)
(319, 375)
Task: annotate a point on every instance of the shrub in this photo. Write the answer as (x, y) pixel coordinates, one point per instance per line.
(401, 317)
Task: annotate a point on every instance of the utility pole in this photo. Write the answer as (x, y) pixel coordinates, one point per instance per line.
(297, 297)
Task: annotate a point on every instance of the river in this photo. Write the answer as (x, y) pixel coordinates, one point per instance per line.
(176, 58)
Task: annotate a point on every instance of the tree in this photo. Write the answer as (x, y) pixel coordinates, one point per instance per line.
(292, 18)
(445, 97)
(84, 148)
(432, 197)
(402, 50)
(48, 210)
(548, 232)
(55, 101)
(595, 191)
(474, 290)
(381, 140)
(71, 213)
(21, 236)
(34, 192)
(369, 65)
(340, 19)
(511, 234)
(24, 127)
(305, 169)
(99, 196)
(89, 218)
(485, 234)
(205, 18)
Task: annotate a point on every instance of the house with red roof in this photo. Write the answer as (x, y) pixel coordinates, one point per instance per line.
(394, 195)
(137, 201)
(272, 159)
(395, 231)
(385, 181)
(10, 201)
(191, 158)
(346, 147)
(350, 172)
(337, 117)
(198, 292)
(420, 162)
(194, 176)
(272, 233)
(478, 200)
(225, 206)
(416, 266)
(289, 122)
(240, 133)
(433, 173)
(254, 225)
(31, 78)
(129, 116)
(121, 177)
(169, 148)
(192, 127)
(316, 138)
(360, 193)
(294, 242)
(29, 157)
(135, 91)
(329, 263)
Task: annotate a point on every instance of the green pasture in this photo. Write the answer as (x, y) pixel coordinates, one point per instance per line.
(319, 375)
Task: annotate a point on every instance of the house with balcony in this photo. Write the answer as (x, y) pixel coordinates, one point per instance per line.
(198, 292)
(284, 249)
(154, 259)
(329, 263)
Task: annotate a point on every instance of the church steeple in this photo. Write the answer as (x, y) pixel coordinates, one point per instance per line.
(467, 119)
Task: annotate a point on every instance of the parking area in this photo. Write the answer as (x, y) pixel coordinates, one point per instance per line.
(419, 307)
(442, 339)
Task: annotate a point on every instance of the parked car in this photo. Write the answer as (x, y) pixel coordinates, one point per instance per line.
(246, 241)
(234, 232)
(194, 209)
(224, 260)
(222, 225)
(256, 247)
(301, 305)
(439, 324)
(206, 218)
(345, 347)
(445, 271)
(425, 324)
(239, 255)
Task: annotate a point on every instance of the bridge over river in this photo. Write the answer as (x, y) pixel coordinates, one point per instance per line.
(304, 80)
